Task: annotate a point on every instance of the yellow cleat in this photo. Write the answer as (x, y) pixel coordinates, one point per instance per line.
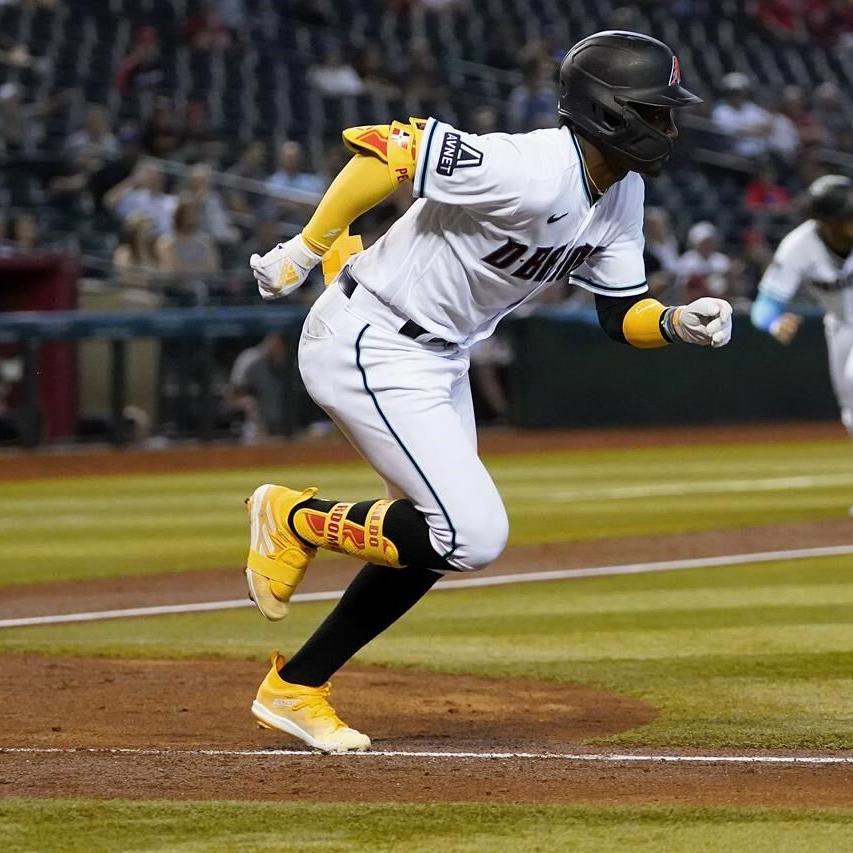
(277, 556)
(304, 712)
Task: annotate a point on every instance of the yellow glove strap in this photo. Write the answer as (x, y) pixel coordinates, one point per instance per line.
(641, 325)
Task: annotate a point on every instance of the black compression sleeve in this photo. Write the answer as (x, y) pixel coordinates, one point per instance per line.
(611, 313)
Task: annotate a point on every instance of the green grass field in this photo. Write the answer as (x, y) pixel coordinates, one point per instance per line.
(190, 827)
(747, 656)
(107, 526)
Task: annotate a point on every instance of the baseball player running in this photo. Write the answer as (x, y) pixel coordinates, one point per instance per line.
(818, 256)
(384, 350)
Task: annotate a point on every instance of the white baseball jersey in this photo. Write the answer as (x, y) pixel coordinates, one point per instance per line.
(803, 259)
(499, 217)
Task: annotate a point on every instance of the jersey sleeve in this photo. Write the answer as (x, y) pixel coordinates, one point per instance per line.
(618, 268)
(482, 172)
(783, 277)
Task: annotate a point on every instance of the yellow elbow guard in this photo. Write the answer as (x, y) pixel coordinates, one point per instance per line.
(395, 144)
(641, 325)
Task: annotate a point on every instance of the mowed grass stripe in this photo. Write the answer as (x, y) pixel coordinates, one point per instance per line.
(94, 527)
(416, 828)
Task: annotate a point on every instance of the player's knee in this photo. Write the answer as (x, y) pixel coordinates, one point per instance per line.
(480, 545)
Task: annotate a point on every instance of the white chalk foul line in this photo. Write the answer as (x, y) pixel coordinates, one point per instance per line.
(462, 583)
(604, 757)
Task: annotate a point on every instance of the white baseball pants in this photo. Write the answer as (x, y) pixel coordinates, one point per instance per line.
(406, 407)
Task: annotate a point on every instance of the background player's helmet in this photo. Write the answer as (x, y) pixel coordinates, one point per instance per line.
(830, 198)
(604, 78)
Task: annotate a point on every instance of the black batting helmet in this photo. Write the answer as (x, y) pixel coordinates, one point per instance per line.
(605, 77)
(830, 198)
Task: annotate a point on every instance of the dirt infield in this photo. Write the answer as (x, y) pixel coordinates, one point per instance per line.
(181, 707)
(83, 461)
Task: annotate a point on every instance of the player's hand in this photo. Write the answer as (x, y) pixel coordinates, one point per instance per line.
(785, 328)
(706, 322)
(282, 269)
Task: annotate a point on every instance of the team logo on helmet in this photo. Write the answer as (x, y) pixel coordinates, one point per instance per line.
(675, 74)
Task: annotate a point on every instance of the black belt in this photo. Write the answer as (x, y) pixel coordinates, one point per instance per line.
(410, 328)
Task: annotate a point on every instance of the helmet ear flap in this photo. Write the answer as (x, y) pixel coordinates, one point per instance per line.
(608, 119)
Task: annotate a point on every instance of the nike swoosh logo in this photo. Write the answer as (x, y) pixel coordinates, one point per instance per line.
(553, 218)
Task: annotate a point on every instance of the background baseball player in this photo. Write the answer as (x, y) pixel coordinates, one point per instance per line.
(818, 256)
(385, 349)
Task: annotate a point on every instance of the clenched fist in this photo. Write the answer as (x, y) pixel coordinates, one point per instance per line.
(785, 328)
(706, 322)
(282, 269)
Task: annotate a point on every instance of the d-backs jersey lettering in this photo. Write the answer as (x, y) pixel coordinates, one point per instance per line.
(496, 218)
(803, 259)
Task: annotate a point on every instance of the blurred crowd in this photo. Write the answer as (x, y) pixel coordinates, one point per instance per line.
(157, 191)
(161, 196)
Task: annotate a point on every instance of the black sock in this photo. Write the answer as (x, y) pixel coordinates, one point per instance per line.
(403, 525)
(377, 597)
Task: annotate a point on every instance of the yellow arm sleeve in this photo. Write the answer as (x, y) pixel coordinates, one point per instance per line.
(359, 186)
(386, 155)
(641, 325)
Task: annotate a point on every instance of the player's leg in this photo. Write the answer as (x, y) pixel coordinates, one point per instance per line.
(392, 398)
(415, 425)
(377, 597)
(395, 401)
(839, 345)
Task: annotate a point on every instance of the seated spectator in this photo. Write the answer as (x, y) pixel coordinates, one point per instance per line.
(660, 240)
(143, 193)
(25, 232)
(141, 70)
(187, 249)
(372, 67)
(660, 254)
(423, 80)
(135, 258)
(251, 165)
(782, 18)
(830, 115)
(258, 389)
(764, 194)
(702, 270)
(22, 124)
(829, 22)
(161, 136)
(290, 176)
(490, 362)
(793, 106)
(484, 120)
(232, 14)
(531, 104)
(94, 142)
(784, 140)
(206, 30)
(215, 219)
(755, 258)
(737, 115)
(334, 76)
(18, 235)
(199, 140)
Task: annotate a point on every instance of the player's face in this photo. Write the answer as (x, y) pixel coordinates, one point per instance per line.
(839, 235)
